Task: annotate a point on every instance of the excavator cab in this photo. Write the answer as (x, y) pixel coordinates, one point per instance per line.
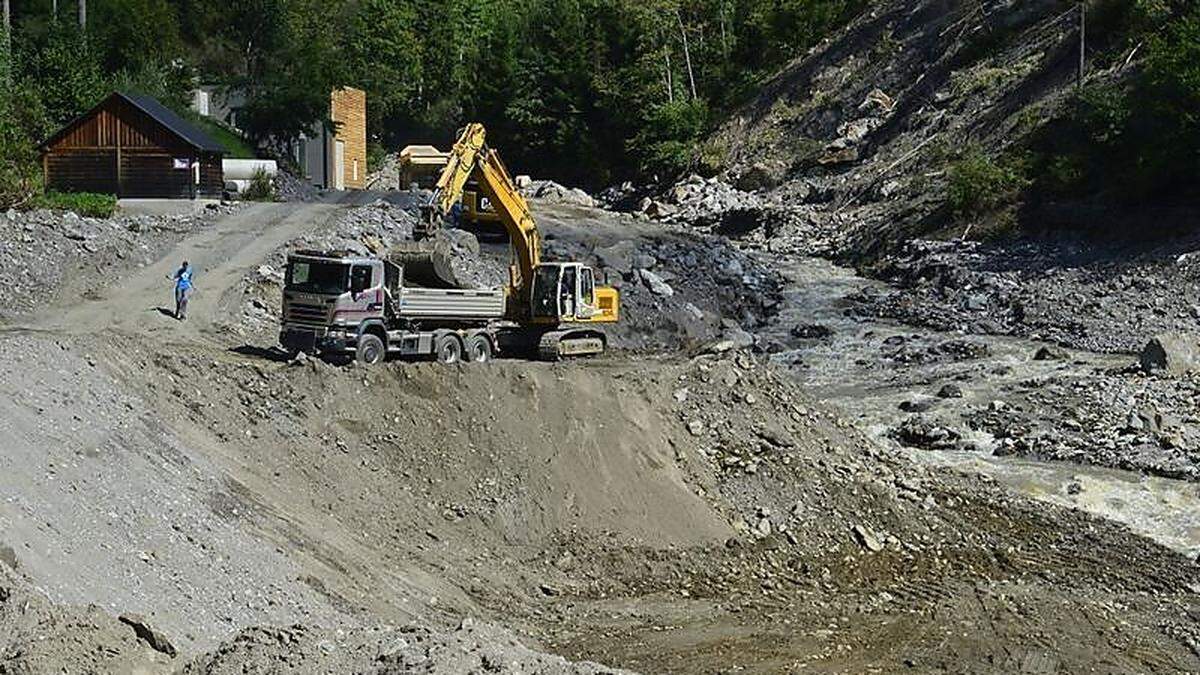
(566, 292)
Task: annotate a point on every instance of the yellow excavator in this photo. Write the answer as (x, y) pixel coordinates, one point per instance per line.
(558, 308)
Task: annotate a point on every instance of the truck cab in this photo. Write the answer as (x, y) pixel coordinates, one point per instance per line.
(328, 296)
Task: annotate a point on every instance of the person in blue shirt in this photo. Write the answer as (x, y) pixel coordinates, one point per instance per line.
(183, 289)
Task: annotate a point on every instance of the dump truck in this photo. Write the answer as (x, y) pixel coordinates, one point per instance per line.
(335, 302)
(420, 165)
(405, 303)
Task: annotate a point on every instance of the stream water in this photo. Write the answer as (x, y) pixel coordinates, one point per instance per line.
(849, 361)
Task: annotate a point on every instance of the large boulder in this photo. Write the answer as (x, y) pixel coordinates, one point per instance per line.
(549, 191)
(761, 176)
(1174, 353)
(618, 257)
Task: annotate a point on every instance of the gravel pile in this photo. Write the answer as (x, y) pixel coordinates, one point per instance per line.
(710, 204)
(759, 220)
(289, 188)
(386, 176)
(553, 193)
(679, 291)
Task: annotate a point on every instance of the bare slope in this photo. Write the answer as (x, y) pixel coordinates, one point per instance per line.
(588, 505)
(697, 512)
(858, 134)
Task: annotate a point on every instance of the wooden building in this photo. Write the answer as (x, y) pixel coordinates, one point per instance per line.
(134, 147)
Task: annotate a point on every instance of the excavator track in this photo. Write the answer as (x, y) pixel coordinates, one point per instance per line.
(556, 344)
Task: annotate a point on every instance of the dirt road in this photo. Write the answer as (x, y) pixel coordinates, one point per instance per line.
(220, 255)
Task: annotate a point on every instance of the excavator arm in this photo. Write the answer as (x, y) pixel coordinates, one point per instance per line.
(472, 158)
(559, 301)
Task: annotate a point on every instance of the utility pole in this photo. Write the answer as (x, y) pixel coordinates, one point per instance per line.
(82, 14)
(1082, 42)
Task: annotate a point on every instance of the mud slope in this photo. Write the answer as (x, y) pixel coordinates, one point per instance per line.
(679, 515)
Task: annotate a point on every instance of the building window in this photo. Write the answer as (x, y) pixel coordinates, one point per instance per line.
(356, 169)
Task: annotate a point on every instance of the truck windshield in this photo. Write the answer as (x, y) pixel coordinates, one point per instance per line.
(317, 277)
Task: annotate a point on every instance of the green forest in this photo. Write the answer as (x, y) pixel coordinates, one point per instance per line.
(586, 91)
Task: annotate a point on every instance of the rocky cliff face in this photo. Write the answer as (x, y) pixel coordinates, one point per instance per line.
(857, 135)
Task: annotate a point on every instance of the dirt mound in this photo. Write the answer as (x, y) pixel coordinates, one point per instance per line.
(515, 453)
(40, 637)
(541, 495)
(472, 648)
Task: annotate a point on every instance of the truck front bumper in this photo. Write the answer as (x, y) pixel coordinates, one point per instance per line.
(316, 340)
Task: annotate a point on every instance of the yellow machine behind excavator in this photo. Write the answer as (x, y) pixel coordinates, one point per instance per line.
(560, 302)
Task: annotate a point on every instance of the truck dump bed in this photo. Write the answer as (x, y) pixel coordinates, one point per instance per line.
(449, 303)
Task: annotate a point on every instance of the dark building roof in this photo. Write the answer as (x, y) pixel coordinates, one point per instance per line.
(185, 130)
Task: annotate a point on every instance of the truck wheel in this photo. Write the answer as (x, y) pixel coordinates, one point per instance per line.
(449, 349)
(370, 349)
(479, 348)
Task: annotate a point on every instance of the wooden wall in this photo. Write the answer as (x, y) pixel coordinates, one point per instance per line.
(82, 171)
(120, 150)
(119, 124)
(348, 110)
(212, 175)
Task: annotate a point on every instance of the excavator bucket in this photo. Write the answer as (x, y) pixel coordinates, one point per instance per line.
(426, 263)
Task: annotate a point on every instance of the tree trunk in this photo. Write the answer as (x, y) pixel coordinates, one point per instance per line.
(1082, 43)
(82, 14)
(666, 41)
(6, 45)
(687, 54)
(670, 82)
(724, 38)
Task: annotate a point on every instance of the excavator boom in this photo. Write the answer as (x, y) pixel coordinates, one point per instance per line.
(472, 158)
(558, 299)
